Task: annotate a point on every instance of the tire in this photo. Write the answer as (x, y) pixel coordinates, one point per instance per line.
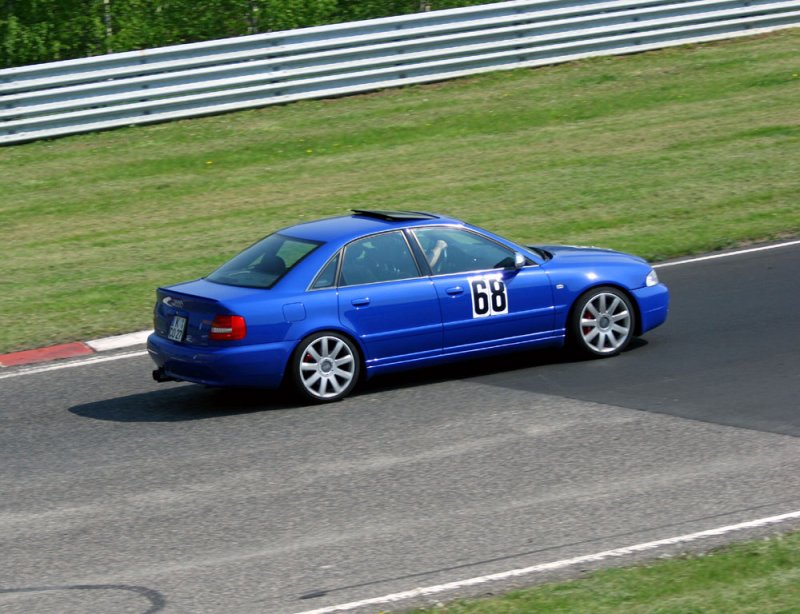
(603, 322)
(325, 367)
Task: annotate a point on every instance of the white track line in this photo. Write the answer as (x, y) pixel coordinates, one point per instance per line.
(751, 250)
(72, 363)
(556, 565)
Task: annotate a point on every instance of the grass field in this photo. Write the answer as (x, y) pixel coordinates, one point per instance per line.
(761, 577)
(672, 152)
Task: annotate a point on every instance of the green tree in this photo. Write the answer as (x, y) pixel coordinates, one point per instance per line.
(351, 10)
(33, 31)
(141, 24)
(274, 15)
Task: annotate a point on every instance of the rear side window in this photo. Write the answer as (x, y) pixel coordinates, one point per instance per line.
(327, 276)
(383, 257)
(261, 265)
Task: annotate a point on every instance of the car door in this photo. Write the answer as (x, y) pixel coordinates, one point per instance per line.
(485, 301)
(386, 302)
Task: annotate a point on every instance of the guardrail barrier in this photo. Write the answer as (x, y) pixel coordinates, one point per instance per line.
(155, 85)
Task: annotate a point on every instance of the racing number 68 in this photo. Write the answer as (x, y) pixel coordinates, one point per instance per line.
(489, 296)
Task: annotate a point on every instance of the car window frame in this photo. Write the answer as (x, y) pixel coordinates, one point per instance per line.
(399, 231)
(418, 245)
(422, 271)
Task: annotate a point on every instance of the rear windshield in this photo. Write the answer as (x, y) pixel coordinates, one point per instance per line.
(264, 263)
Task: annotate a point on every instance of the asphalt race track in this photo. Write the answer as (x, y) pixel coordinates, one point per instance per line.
(120, 495)
(730, 353)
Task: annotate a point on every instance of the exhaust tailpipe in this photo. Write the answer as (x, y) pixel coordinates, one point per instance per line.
(160, 376)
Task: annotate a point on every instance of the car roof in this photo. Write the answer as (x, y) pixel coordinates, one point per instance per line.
(363, 222)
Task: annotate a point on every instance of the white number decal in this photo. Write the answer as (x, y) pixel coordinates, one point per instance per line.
(489, 296)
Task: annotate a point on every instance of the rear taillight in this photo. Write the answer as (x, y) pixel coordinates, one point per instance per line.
(228, 328)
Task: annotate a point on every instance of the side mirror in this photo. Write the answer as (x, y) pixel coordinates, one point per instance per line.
(519, 260)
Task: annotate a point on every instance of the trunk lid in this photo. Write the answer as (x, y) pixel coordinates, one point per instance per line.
(183, 313)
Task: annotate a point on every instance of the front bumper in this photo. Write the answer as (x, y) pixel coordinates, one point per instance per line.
(260, 366)
(653, 306)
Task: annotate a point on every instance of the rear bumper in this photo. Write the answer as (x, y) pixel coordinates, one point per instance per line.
(260, 366)
(653, 306)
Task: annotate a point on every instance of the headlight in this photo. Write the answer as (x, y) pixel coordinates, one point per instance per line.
(652, 278)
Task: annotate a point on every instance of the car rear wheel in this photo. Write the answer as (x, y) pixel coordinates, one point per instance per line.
(603, 322)
(325, 367)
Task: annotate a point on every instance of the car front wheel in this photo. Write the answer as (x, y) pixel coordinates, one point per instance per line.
(325, 367)
(603, 322)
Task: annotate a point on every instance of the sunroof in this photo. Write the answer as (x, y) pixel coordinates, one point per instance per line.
(395, 215)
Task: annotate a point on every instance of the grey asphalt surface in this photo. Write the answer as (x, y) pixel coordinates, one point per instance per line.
(120, 495)
(730, 353)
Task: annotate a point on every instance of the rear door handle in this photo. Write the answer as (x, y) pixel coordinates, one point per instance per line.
(455, 290)
(360, 302)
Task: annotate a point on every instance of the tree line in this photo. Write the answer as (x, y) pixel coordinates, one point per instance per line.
(34, 31)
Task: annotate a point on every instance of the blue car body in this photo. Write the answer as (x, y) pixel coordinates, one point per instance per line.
(412, 314)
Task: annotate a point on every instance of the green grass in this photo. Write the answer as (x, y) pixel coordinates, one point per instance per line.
(761, 577)
(666, 153)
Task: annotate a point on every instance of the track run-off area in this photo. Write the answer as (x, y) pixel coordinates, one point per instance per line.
(121, 495)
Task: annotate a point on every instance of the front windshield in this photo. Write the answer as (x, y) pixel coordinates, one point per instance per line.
(264, 263)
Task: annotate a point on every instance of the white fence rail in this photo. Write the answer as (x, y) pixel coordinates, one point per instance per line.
(155, 85)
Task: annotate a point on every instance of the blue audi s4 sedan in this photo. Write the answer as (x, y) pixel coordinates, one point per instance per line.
(322, 304)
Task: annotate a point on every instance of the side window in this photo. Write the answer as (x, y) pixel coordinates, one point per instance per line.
(453, 250)
(383, 257)
(327, 276)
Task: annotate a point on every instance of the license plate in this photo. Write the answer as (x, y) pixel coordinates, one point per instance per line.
(177, 329)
